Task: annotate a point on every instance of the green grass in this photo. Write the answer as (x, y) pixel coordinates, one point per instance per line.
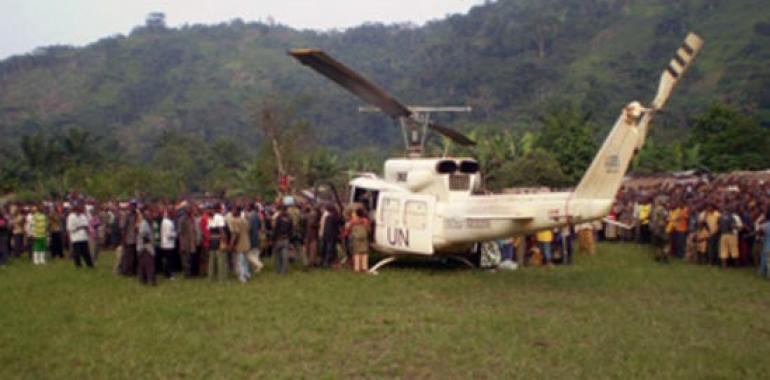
(616, 315)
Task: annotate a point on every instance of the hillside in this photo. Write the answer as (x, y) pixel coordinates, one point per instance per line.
(510, 59)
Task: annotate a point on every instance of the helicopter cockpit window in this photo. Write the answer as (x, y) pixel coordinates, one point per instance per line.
(446, 167)
(390, 211)
(469, 167)
(416, 215)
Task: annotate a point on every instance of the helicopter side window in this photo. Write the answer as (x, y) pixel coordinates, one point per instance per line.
(416, 215)
(366, 197)
(390, 211)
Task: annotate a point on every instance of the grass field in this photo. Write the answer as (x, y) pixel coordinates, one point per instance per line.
(616, 315)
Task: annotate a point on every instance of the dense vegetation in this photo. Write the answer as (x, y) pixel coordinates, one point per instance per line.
(189, 99)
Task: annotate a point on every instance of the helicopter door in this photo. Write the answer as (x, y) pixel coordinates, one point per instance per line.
(405, 222)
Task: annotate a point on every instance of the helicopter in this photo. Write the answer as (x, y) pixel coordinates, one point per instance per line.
(435, 206)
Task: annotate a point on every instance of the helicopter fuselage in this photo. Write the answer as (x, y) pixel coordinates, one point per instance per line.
(429, 206)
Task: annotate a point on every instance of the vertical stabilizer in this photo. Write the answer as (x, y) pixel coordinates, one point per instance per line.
(605, 175)
(674, 71)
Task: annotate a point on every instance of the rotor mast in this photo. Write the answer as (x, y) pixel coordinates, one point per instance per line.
(415, 128)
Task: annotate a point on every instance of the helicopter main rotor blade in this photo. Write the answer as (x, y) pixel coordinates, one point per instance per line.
(358, 85)
(454, 135)
(350, 80)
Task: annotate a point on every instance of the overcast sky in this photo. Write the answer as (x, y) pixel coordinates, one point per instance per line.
(27, 24)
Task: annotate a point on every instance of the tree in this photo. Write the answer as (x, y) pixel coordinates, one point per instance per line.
(658, 158)
(289, 138)
(568, 135)
(537, 168)
(730, 140)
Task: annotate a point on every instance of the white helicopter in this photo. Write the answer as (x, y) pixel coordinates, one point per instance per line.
(433, 206)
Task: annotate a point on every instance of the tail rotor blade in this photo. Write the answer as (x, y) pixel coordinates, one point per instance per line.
(676, 68)
(350, 80)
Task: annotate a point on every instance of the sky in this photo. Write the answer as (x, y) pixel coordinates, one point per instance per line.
(28, 24)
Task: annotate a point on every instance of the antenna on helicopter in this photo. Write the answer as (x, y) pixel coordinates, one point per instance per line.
(415, 121)
(415, 130)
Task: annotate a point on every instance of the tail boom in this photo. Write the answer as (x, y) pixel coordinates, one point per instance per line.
(605, 175)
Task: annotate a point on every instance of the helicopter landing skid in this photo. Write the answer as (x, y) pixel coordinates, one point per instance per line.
(382, 263)
(463, 260)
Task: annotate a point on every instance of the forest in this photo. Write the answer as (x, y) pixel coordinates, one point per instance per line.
(165, 111)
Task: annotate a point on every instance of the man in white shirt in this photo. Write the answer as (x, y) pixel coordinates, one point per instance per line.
(218, 265)
(167, 243)
(77, 227)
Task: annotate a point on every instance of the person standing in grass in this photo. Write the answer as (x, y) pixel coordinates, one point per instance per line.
(586, 241)
(77, 226)
(643, 218)
(764, 258)
(329, 234)
(186, 233)
(711, 217)
(39, 232)
(145, 249)
(167, 242)
(357, 231)
(681, 228)
(544, 240)
(729, 225)
(311, 234)
(17, 230)
(282, 232)
(660, 232)
(95, 225)
(5, 237)
(218, 266)
(701, 241)
(240, 244)
(55, 227)
(255, 227)
(202, 224)
(128, 259)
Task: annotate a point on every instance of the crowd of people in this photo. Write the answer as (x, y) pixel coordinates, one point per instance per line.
(204, 238)
(725, 221)
(721, 222)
